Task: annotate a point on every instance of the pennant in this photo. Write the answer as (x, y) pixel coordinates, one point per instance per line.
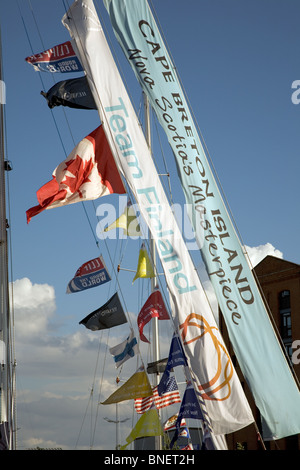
(147, 425)
(176, 358)
(90, 274)
(125, 350)
(73, 93)
(144, 268)
(61, 58)
(128, 222)
(137, 386)
(109, 315)
(88, 172)
(153, 307)
(169, 397)
(189, 408)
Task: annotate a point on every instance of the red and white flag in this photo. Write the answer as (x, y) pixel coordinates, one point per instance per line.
(153, 307)
(169, 397)
(87, 173)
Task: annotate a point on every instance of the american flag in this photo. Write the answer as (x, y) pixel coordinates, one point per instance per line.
(170, 396)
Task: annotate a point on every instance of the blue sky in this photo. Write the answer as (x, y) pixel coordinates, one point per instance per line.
(237, 61)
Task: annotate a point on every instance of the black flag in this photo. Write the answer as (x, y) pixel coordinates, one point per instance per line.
(109, 315)
(74, 93)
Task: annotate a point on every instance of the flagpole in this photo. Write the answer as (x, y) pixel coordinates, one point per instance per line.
(7, 405)
(155, 340)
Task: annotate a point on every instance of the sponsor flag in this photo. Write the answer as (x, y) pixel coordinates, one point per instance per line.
(125, 350)
(144, 267)
(169, 397)
(90, 274)
(249, 326)
(148, 425)
(176, 358)
(208, 358)
(128, 221)
(73, 93)
(137, 385)
(109, 315)
(153, 307)
(88, 172)
(60, 58)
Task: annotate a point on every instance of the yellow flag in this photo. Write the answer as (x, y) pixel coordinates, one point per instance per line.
(147, 425)
(144, 268)
(128, 222)
(137, 386)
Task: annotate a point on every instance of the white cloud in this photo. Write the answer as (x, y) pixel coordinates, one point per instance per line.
(258, 253)
(34, 305)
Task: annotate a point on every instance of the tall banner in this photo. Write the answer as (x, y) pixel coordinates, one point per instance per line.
(256, 346)
(216, 379)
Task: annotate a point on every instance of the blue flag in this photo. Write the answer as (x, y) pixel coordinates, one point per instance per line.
(189, 408)
(91, 274)
(176, 358)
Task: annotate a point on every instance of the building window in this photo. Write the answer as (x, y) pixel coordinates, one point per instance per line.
(286, 320)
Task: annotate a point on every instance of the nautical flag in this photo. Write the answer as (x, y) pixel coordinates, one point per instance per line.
(184, 433)
(188, 447)
(169, 425)
(144, 268)
(61, 58)
(148, 425)
(109, 315)
(73, 93)
(153, 307)
(169, 397)
(176, 358)
(137, 385)
(128, 221)
(88, 172)
(90, 274)
(125, 350)
(189, 408)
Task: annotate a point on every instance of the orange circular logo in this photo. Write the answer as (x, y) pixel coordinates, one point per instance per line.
(218, 387)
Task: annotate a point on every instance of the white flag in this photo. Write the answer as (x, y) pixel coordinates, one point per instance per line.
(125, 350)
(218, 385)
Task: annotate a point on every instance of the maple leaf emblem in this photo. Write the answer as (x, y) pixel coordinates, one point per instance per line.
(78, 172)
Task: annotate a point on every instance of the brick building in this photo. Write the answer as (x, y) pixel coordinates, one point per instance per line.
(280, 284)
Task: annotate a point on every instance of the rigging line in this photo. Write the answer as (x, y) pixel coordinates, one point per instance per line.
(52, 113)
(200, 133)
(92, 387)
(100, 388)
(52, 74)
(30, 44)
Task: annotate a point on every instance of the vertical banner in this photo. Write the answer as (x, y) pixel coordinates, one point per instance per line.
(256, 346)
(215, 377)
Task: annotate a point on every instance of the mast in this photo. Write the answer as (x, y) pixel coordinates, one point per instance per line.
(6, 370)
(155, 337)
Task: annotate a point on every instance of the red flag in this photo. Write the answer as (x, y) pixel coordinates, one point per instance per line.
(154, 307)
(87, 173)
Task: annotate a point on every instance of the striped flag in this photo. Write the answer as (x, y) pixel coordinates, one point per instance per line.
(169, 397)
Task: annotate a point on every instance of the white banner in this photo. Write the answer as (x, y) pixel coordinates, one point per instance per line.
(208, 358)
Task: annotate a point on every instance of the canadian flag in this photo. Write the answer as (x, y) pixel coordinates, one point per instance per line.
(87, 173)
